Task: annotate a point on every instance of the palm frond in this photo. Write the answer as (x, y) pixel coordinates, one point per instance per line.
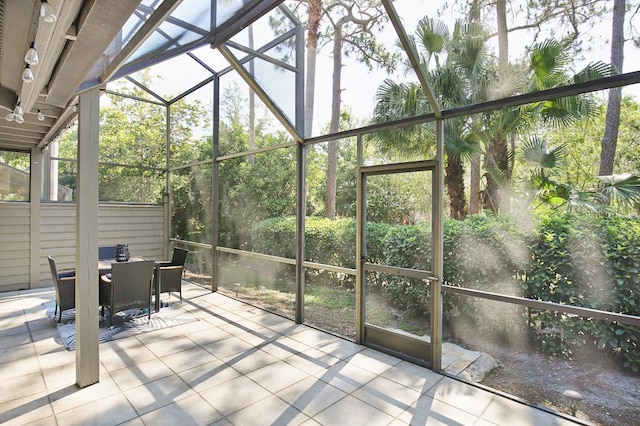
(535, 151)
(432, 35)
(594, 71)
(621, 188)
(548, 60)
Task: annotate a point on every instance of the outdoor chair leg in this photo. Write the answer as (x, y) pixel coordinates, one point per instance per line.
(60, 317)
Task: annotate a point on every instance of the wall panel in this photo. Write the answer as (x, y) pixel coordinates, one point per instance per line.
(14, 245)
(140, 226)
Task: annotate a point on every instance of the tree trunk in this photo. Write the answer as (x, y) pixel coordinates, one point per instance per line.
(496, 164)
(609, 140)
(475, 16)
(332, 148)
(503, 35)
(495, 197)
(315, 14)
(454, 182)
(474, 185)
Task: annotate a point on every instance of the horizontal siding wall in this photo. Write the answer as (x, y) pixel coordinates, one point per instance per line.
(14, 245)
(141, 227)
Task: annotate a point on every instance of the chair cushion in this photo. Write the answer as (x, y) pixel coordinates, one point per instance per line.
(67, 274)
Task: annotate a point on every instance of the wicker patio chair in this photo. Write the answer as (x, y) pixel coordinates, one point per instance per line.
(128, 288)
(65, 285)
(170, 273)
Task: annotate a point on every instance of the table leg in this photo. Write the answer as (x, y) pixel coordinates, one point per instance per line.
(156, 284)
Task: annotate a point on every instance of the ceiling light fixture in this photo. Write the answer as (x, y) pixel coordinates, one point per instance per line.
(47, 12)
(16, 114)
(40, 116)
(27, 74)
(18, 109)
(32, 55)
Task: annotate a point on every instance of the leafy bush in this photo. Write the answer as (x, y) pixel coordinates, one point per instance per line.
(592, 262)
(586, 261)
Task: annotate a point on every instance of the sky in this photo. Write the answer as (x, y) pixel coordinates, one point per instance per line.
(360, 84)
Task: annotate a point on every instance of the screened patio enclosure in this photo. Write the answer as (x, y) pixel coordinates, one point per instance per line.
(339, 214)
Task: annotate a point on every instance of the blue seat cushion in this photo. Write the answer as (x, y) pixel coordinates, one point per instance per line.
(67, 274)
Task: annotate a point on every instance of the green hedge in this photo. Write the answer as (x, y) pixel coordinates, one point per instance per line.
(579, 260)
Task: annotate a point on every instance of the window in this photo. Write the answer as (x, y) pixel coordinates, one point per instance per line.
(14, 175)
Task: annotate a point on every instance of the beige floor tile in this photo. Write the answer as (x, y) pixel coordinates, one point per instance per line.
(312, 361)
(158, 393)
(280, 325)
(120, 344)
(20, 387)
(12, 330)
(314, 338)
(115, 360)
(187, 359)
(250, 360)
(14, 340)
(287, 381)
(277, 376)
(64, 376)
(387, 396)
(209, 375)
(269, 411)
(413, 376)
(429, 411)
(373, 361)
(192, 327)
(226, 347)
(353, 412)
(209, 335)
(311, 396)
(277, 347)
(106, 411)
(158, 335)
(70, 396)
(26, 409)
(192, 410)
(170, 346)
(461, 395)
(24, 350)
(259, 336)
(340, 348)
(19, 367)
(141, 373)
(249, 312)
(234, 395)
(56, 358)
(310, 422)
(346, 377)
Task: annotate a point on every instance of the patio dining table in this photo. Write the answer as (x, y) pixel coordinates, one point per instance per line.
(104, 267)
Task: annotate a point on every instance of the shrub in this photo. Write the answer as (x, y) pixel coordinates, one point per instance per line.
(587, 261)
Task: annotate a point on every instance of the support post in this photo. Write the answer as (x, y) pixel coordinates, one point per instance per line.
(87, 361)
(215, 185)
(37, 159)
(438, 251)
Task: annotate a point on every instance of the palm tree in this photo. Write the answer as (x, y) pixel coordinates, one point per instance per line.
(459, 59)
(465, 73)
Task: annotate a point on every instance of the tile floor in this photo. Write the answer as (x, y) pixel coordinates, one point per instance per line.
(237, 365)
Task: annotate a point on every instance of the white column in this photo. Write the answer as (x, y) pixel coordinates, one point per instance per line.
(87, 362)
(34, 201)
